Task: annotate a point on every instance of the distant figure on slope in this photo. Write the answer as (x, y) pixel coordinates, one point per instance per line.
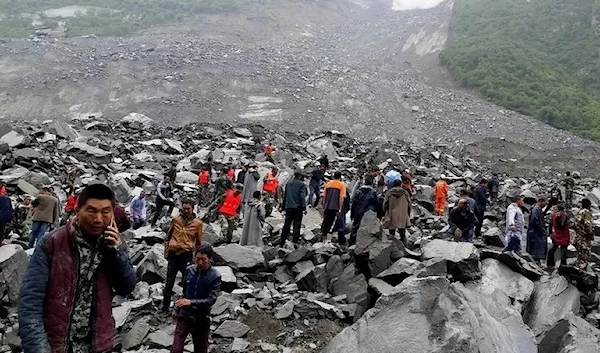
(440, 193)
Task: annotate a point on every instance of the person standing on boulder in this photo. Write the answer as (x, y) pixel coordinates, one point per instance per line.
(270, 184)
(569, 183)
(250, 183)
(184, 235)
(397, 207)
(515, 225)
(70, 207)
(462, 222)
(201, 288)
(269, 149)
(324, 161)
(241, 176)
(365, 199)
(21, 223)
(254, 217)
(333, 201)
(222, 184)
(440, 193)
(46, 212)
(480, 205)
(164, 197)
(294, 206)
(138, 210)
(6, 216)
(584, 229)
(229, 211)
(203, 186)
(494, 186)
(314, 185)
(65, 303)
(561, 236)
(537, 238)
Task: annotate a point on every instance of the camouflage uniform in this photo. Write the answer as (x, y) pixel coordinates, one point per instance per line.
(270, 201)
(569, 187)
(221, 185)
(21, 222)
(583, 239)
(203, 195)
(228, 225)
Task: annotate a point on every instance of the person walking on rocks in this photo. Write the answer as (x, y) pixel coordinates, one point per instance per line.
(6, 216)
(462, 222)
(569, 183)
(397, 208)
(494, 186)
(22, 217)
(440, 193)
(365, 199)
(203, 187)
(172, 172)
(270, 184)
(480, 205)
(184, 235)
(254, 217)
(65, 302)
(584, 234)
(294, 206)
(324, 161)
(201, 288)
(229, 211)
(269, 149)
(555, 198)
(333, 201)
(537, 238)
(561, 236)
(70, 207)
(164, 197)
(314, 185)
(46, 212)
(250, 183)
(468, 195)
(222, 184)
(515, 225)
(138, 210)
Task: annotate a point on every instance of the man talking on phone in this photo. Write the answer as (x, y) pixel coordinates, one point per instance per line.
(68, 288)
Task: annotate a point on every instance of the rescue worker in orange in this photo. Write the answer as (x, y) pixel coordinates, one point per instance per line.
(231, 173)
(203, 187)
(270, 185)
(269, 149)
(70, 207)
(440, 194)
(229, 211)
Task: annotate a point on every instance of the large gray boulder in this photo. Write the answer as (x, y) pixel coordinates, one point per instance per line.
(497, 276)
(239, 257)
(13, 264)
(354, 286)
(426, 315)
(462, 258)
(373, 250)
(553, 299)
(571, 335)
(400, 270)
(153, 267)
(515, 262)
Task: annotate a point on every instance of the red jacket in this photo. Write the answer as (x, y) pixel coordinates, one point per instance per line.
(560, 236)
(48, 291)
(71, 203)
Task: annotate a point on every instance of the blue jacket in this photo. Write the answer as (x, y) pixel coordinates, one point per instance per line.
(294, 196)
(202, 288)
(365, 199)
(6, 210)
(480, 199)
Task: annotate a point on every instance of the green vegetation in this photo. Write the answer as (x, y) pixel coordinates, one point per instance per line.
(538, 57)
(108, 17)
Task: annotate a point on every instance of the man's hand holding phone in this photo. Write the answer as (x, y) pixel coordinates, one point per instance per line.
(111, 234)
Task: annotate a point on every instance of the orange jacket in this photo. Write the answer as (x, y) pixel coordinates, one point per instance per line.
(231, 203)
(271, 183)
(440, 189)
(203, 177)
(269, 150)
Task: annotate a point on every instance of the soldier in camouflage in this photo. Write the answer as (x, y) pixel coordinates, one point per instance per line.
(569, 188)
(21, 222)
(585, 235)
(222, 184)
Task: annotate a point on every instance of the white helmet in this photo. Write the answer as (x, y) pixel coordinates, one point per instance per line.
(443, 176)
(389, 160)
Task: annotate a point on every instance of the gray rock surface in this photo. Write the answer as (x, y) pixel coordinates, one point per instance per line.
(239, 257)
(13, 264)
(571, 335)
(232, 329)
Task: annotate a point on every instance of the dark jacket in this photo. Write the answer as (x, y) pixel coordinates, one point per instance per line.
(202, 288)
(241, 177)
(365, 199)
(480, 199)
(317, 177)
(462, 219)
(121, 219)
(49, 288)
(294, 196)
(324, 162)
(6, 210)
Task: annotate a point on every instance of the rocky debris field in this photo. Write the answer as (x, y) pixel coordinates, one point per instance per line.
(430, 295)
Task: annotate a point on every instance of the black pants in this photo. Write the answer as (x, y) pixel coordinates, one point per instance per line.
(292, 216)
(3, 230)
(402, 233)
(563, 255)
(329, 217)
(177, 263)
(355, 227)
(160, 204)
(479, 216)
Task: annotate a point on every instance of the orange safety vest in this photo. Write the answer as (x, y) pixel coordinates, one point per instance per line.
(231, 203)
(269, 150)
(270, 185)
(441, 189)
(203, 177)
(231, 174)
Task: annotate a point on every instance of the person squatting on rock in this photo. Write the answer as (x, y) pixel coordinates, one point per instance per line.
(201, 288)
(6, 216)
(480, 205)
(294, 206)
(462, 222)
(569, 183)
(440, 194)
(584, 229)
(138, 210)
(254, 218)
(314, 185)
(203, 187)
(65, 303)
(333, 201)
(164, 197)
(537, 238)
(515, 225)
(184, 235)
(397, 207)
(46, 212)
(365, 199)
(270, 185)
(229, 211)
(560, 236)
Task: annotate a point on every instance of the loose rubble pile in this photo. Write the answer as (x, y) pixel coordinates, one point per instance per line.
(430, 295)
